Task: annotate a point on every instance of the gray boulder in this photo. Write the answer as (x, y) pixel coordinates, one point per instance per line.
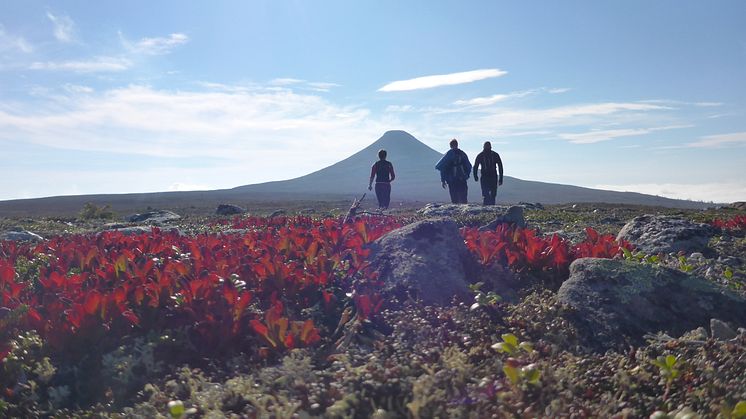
(617, 302)
(229, 209)
(21, 236)
(655, 234)
(459, 210)
(514, 216)
(154, 217)
(427, 259)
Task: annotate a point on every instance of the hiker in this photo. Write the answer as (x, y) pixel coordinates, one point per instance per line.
(383, 171)
(488, 159)
(454, 169)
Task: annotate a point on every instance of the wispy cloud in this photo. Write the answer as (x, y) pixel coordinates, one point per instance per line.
(94, 65)
(491, 100)
(247, 128)
(682, 103)
(558, 90)
(322, 86)
(597, 136)
(76, 88)
(720, 141)
(285, 81)
(708, 192)
(64, 27)
(10, 42)
(428, 82)
(155, 46)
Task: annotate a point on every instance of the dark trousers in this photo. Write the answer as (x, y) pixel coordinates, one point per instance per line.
(489, 189)
(383, 194)
(459, 191)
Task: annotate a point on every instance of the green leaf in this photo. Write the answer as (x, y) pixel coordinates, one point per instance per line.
(176, 408)
(728, 273)
(670, 361)
(627, 254)
(739, 411)
(511, 373)
(503, 347)
(510, 339)
(526, 346)
(531, 373)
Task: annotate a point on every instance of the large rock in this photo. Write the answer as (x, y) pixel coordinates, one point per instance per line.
(459, 210)
(616, 302)
(655, 234)
(427, 259)
(229, 209)
(513, 216)
(21, 236)
(154, 217)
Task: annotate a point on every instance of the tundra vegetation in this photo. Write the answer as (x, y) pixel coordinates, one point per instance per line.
(257, 316)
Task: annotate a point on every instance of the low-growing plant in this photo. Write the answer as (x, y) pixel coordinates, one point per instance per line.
(92, 211)
(733, 412)
(482, 299)
(511, 346)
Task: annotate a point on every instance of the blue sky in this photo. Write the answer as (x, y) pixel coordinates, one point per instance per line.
(139, 96)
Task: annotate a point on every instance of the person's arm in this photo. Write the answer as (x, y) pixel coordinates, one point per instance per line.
(477, 162)
(468, 165)
(372, 175)
(499, 168)
(442, 164)
(391, 170)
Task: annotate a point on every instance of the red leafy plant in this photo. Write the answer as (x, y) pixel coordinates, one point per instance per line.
(737, 223)
(224, 287)
(522, 249)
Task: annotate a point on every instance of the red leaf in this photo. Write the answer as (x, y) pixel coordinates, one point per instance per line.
(92, 301)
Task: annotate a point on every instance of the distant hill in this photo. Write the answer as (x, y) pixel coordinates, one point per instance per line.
(416, 181)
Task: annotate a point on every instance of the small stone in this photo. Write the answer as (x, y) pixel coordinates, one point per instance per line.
(720, 330)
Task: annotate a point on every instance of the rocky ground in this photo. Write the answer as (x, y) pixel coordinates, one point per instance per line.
(538, 352)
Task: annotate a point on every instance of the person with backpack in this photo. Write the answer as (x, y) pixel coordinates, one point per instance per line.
(455, 169)
(383, 172)
(488, 159)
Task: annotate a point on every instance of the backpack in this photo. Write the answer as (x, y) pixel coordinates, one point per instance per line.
(458, 167)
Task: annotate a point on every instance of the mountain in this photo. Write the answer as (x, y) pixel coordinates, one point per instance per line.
(416, 180)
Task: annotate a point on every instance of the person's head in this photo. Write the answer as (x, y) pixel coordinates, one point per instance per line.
(487, 146)
(453, 143)
(382, 154)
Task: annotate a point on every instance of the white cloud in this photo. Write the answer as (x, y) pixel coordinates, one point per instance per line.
(285, 81)
(721, 192)
(276, 134)
(76, 88)
(155, 46)
(682, 103)
(596, 136)
(97, 64)
(721, 140)
(398, 108)
(428, 82)
(10, 42)
(559, 90)
(64, 27)
(491, 100)
(322, 86)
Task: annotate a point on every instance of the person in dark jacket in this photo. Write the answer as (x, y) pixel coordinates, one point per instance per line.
(455, 169)
(488, 159)
(383, 172)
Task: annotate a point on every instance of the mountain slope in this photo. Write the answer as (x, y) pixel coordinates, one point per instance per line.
(417, 180)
